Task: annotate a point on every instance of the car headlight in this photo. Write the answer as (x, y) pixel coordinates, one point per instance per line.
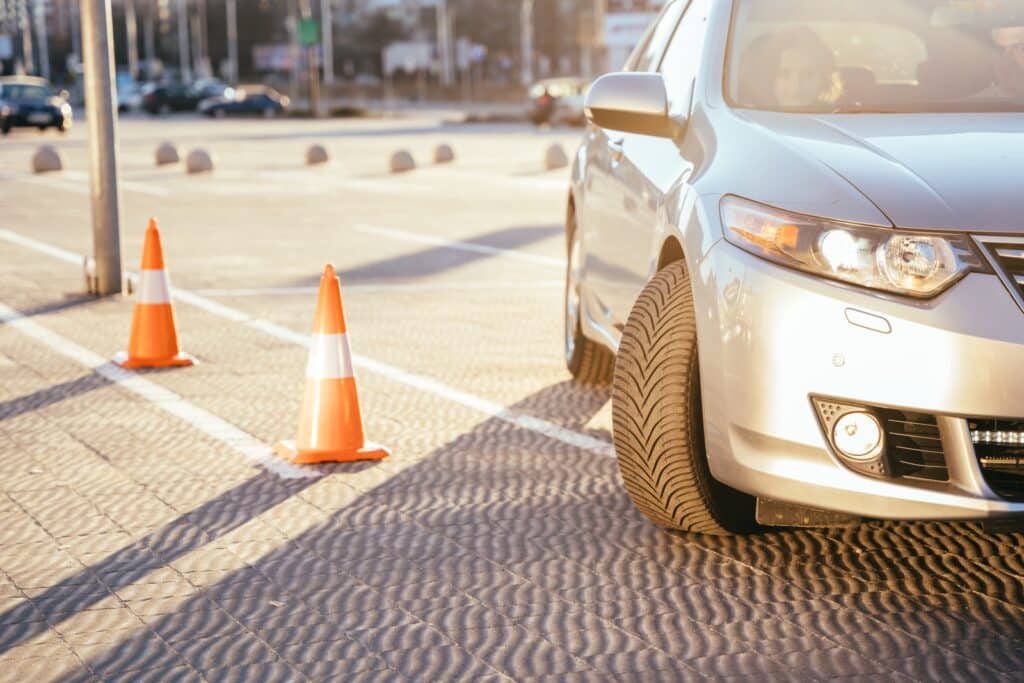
(910, 263)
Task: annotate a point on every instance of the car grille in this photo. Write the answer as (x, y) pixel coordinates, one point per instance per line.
(999, 447)
(1007, 256)
(915, 445)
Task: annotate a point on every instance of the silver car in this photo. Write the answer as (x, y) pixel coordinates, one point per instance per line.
(796, 248)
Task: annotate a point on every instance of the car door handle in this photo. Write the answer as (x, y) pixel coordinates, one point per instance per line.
(615, 149)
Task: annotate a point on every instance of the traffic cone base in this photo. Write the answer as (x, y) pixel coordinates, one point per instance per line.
(182, 360)
(291, 453)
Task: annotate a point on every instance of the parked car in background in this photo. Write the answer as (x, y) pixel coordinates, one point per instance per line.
(796, 250)
(26, 102)
(558, 100)
(163, 98)
(246, 100)
(129, 93)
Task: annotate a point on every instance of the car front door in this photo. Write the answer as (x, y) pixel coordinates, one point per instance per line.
(604, 208)
(647, 169)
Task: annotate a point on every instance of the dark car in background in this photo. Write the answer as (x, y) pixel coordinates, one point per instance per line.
(254, 100)
(558, 100)
(32, 102)
(163, 98)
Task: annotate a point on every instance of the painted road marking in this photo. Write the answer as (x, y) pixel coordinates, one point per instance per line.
(425, 384)
(240, 442)
(458, 245)
(131, 186)
(78, 182)
(382, 289)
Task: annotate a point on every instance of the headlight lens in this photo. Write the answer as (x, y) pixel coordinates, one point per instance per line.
(909, 263)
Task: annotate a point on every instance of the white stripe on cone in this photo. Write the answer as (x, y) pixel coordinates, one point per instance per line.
(329, 357)
(154, 287)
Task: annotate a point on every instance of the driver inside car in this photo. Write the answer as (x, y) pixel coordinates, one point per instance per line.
(791, 70)
(1010, 67)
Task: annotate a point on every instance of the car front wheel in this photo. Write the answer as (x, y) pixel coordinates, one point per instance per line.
(588, 362)
(658, 421)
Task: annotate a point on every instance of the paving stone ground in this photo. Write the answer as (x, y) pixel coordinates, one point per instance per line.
(134, 547)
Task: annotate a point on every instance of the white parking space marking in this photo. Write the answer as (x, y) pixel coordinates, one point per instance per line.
(427, 385)
(78, 182)
(383, 289)
(458, 245)
(131, 186)
(240, 442)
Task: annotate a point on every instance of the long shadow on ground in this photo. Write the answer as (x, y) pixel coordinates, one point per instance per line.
(505, 552)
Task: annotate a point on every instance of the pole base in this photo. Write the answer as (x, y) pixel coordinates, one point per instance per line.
(182, 360)
(370, 451)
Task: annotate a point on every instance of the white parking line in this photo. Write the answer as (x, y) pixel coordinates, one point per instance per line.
(383, 288)
(458, 245)
(209, 424)
(78, 182)
(425, 384)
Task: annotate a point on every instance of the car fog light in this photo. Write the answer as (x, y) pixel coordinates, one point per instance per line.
(858, 435)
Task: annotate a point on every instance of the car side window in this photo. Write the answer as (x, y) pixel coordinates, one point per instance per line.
(682, 59)
(648, 58)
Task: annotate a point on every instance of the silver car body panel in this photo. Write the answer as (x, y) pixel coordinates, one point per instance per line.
(771, 338)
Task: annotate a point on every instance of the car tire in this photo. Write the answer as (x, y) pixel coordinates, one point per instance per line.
(219, 113)
(588, 361)
(269, 113)
(657, 419)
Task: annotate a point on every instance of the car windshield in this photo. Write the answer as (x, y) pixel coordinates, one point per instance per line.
(20, 91)
(898, 56)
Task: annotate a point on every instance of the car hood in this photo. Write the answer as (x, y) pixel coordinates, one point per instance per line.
(931, 171)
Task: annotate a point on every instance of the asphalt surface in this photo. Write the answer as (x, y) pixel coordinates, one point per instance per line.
(145, 535)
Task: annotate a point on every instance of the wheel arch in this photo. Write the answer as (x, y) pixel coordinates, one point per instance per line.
(671, 252)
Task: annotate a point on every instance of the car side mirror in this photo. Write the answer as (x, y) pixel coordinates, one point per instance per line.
(633, 103)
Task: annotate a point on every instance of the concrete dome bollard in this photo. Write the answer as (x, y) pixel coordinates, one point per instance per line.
(47, 159)
(555, 157)
(199, 161)
(167, 153)
(444, 154)
(402, 161)
(317, 154)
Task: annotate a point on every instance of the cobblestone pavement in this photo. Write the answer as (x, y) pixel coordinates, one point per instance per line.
(134, 546)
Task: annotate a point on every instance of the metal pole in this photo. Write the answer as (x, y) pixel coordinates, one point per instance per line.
(131, 28)
(444, 42)
(97, 33)
(39, 12)
(327, 38)
(314, 74)
(25, 25)
(183, 47)
(232, 11)
(149, 39)
(74, 27)
(526, 38)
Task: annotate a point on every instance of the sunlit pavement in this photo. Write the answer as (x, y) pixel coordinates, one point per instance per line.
(139, 543)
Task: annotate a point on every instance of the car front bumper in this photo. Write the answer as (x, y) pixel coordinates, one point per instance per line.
(771, 338)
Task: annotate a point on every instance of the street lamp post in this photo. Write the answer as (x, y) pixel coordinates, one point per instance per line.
(526, 41)
(131, 29)
(327, 38)
(39, 15)
(98, 45)
(183, 48)
(232, 18)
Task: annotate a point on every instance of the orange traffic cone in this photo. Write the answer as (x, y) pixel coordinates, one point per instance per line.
(330, 424)
(154, 340)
